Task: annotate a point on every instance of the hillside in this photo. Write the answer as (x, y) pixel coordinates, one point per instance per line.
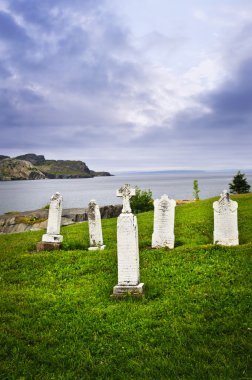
(48, 168)
(58, 320)
(12, 169)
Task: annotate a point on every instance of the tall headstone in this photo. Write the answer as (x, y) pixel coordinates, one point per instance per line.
(127, 248)
(52, 239)
(164, 216)
(95, 227)
(225, 221)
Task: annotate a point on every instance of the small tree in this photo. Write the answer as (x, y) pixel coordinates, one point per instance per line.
(196, 189)
(142, 201)
(239, 184)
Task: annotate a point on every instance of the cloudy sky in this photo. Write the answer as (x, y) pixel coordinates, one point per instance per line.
(128, 84)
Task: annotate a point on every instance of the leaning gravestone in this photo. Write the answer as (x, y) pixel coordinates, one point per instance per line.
(95, 227)
(52, 239)
(127, 249)
(225, 221)
(164, 215)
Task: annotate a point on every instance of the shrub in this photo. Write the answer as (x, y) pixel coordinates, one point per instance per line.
(142, 201)
(46, 207)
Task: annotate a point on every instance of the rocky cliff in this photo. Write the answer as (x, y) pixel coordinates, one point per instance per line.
(12, 169)
(32, 166)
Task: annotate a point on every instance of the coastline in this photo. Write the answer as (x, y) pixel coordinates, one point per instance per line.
(37, 219)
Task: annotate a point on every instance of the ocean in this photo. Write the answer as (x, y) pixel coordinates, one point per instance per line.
(31, 195)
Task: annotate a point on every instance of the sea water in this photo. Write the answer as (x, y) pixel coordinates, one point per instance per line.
(31, 195)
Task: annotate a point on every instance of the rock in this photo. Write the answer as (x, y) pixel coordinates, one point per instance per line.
(12, 169)
(60, 169)
(16, 223)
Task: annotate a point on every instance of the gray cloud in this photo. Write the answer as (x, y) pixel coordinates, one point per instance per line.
(72, 80)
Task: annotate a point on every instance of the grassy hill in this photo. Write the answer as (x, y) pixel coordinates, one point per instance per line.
(58, 320)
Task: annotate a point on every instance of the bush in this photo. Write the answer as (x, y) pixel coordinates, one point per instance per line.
(142, 201)
(239, 184)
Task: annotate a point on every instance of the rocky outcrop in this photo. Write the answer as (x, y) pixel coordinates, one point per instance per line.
(12, 169)
(32, 158)
(3, 157)
(37, 220)
(51, 169)
(65, 169)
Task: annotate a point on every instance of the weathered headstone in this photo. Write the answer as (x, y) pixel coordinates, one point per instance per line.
(164, 215)
(127, 249)
(52, 239)
(95, 227)
(225, 221)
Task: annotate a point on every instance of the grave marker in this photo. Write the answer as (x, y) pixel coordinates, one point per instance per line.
(52, 239)
(95, 227)
(225, 221)
(127, 248)
(164, 215)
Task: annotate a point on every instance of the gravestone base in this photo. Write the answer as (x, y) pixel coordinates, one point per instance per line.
(156, 243)
(97, 248)
(47, 238)
(226, 242)
(46, 246)
(120, 291)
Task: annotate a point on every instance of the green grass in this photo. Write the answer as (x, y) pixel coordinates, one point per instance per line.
(58, 320)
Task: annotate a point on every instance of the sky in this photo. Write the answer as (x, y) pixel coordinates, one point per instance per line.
(128, 84)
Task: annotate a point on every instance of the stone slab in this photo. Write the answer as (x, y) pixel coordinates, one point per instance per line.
(225, 221)
(45, 246)
(94, 225)
(47, 238)
(164, 216)
(127, 250)
(97, 248)
(120, 291)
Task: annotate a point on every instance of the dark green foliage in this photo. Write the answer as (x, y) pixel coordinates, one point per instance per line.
(142, 201)
(239, 185)
(196, 190)
(58, 320)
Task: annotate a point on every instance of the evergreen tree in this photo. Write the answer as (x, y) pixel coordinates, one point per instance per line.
(239, 184)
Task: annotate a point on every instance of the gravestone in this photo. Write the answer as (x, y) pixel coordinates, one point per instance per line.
(95, 227)
(225, 221)
(127, 249)
(52, 239)
(164, 215)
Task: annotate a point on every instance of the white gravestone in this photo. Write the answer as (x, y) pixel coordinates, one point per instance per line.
(164, 215)
(225, 221)
(127, 248)
(54, 220)
(95, 227)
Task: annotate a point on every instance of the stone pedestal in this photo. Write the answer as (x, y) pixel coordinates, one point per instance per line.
(225, 221)
(120, 291)
(48, 238)
(164, 216)
(95, 227)
(44, 246)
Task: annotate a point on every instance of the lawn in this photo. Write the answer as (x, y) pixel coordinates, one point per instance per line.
(58, 320)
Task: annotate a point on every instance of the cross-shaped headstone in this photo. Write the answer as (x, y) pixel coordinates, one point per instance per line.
(225, 194)
(126, 193)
